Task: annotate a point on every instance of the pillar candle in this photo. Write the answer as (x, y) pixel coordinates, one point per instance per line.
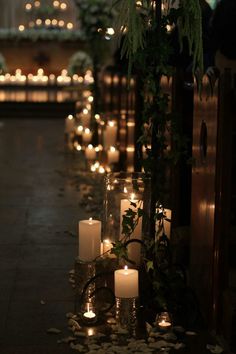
(106, 246)
(69, 124)
(90, 152)
(134, 249)
(126, 283)
(130, 128)
(125, 205)
(89, 239)
(85, 118)
(110, 134)
(130, 154)
(113, 155)
(87, 135)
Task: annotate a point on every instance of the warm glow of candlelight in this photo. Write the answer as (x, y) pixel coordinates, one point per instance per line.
(111, 123)
(101, 169)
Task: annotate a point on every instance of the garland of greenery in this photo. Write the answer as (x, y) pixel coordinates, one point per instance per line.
(147, 44)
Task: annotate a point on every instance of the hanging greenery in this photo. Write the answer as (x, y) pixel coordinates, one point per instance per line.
(147, 31)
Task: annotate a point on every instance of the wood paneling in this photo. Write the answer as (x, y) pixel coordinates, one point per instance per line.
(203, 195)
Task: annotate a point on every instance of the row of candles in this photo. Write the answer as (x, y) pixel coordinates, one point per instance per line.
(41, 79)
(56, 4)
(107, 135)
(126, 280)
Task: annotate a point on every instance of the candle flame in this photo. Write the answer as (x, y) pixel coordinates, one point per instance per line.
(125, 190)
(112, 148)
(70, 116)
(125, 267)
(111, 123)
(90, 221)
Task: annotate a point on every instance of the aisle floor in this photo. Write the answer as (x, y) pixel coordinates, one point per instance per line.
(38, 215)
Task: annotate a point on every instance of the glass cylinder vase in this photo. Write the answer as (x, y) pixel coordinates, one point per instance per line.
(127, 202)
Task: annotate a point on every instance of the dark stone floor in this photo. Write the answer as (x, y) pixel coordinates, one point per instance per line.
(38, 214)
(39, 209)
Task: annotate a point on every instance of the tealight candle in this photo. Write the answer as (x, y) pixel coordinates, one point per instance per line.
(113, 155)
(89, 313)
(163, 321)
(126, 283)
(89, 239)
(89, 316)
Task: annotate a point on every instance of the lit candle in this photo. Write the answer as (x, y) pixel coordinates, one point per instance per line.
(69, 124)
(110, 134)
(85, 117)
(130, 154)
(126, 283)
(163, 321)
(89, 239)
(107, 246)
(89, 314)
(87, 135)
(130, 127)
(134, 249)
(79, 130)
(113, 155)
(90, 152)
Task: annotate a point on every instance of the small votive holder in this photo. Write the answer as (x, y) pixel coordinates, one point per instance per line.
(126, 313)
(163, 321)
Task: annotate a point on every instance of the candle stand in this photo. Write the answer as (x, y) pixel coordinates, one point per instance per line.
(125, 191)
(126, 313)
(84, 271)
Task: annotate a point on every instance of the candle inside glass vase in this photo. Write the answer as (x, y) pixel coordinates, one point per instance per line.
(89, 316)
(163, 321)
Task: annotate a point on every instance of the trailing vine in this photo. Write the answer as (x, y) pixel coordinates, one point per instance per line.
(146, 35)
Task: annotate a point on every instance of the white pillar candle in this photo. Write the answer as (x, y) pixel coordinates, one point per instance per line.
(79, 130)
(87, 135)
(113, 155)
(110, 134)
(89, 239)
(125, 205)
(106, 246)
(130, 154)
(126, 283)
(130, 128)
(134, 249)
(85, 117)
(166, 224)
(90, 152)
(69, 124)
